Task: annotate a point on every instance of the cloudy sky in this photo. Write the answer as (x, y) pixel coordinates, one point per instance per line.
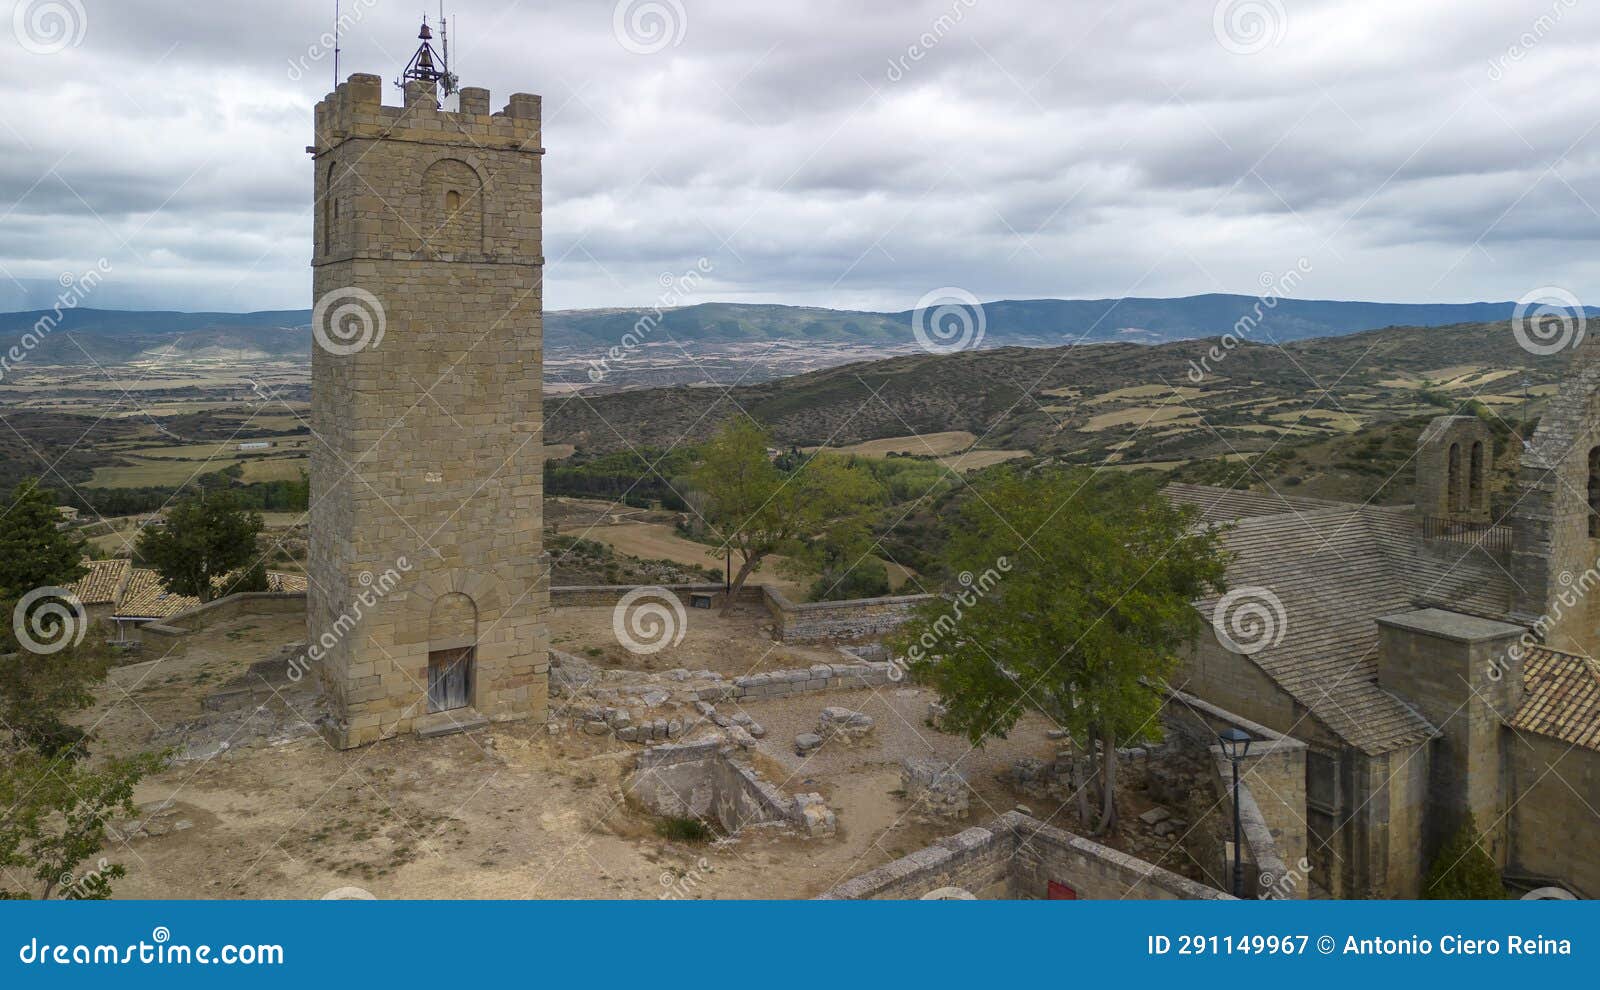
(849, 153)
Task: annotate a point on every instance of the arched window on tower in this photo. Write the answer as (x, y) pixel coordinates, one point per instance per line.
(1452, 498)
(1476, 482)
(1594, 493)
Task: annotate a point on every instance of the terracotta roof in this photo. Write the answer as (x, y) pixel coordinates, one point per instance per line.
(103, 582)
(1337, 571)
(148, 598)
(1561, 699)
(285, 582)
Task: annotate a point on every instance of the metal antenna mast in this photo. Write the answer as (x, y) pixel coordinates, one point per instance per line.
(336, 19)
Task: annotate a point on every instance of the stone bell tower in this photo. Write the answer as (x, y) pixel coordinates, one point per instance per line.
(428, 588)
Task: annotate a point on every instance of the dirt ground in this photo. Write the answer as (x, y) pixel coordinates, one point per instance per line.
(506, 812)
(511, 811)
(734, 646)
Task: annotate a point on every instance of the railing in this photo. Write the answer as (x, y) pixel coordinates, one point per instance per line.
(1490, 538)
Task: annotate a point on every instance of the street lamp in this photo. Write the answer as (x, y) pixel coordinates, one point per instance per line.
(1235, 745)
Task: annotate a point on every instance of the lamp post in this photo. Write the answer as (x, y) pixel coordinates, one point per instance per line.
(1235, 745)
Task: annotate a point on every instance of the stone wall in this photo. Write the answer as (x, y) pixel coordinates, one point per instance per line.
(1016, 857)
(850, 621)
(1272, 792)
(843, 622)
(1554, 808)
(220, 610)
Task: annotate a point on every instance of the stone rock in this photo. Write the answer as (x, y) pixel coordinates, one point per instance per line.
(1165, 828)
(705, 708)
(628, 733)
(1155, 816)
(744, 721)
(1023, 809)
(756, 729)
(739, 737)
(937, 790)
(595, 728)
(674, 728)
(1055, 733)
(806, 743)
(843, 722)
(655, 698)
(813, 816)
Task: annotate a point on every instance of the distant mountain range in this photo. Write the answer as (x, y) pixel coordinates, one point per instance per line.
(120, 335)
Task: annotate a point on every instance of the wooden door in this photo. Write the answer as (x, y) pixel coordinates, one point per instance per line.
(449, 679)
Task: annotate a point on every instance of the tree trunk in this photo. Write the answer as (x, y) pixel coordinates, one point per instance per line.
(1108, 781)
(745, 568)
(1082, 773)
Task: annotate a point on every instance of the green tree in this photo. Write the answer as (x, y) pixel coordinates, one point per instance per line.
(56, 799)
(33, 552)
(1074, 598)
(206, 536)
(1463, 871)
(755, 509)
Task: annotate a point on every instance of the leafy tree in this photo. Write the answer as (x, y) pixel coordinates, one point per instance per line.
(1463, 871)
(33, 552)
(206, 536)
(57, 800)
(1075, 597)
(756, 509)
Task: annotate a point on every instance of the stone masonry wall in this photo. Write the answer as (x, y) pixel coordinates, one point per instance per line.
(428, 460)
(1553, 807)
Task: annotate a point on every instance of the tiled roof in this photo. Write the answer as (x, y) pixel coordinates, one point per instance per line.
(103, 581)
(1227, 504)
(148, 598)
(1561, 698)
(285, 582)
(1337, 571)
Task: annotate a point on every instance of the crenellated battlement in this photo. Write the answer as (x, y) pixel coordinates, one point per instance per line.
(355, 110)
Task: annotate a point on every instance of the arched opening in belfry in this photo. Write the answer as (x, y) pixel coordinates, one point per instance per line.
(1477, 483)
(1452, 500)
(452, 652)
(1594, 493)
(452, 200)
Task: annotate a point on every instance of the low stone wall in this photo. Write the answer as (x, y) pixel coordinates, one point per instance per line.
(1272, 813)
(231, 606)
(818, 677)
(843, 622)
(1016, 857)
(810, 622)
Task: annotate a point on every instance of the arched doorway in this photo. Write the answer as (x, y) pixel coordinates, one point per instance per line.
(452, 652)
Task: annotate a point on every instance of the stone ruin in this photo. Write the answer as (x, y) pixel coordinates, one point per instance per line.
(938, 792)
(709, 781)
